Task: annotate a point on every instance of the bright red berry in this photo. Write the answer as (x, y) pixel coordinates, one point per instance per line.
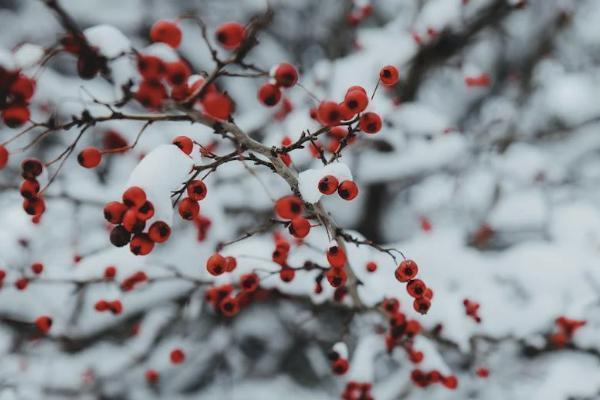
(177, 356)
(329, 113)
(43, 323)
(110, 272)
(328, 184)
(336, 256)
(141, 244)
(15, 116)
(370, 122)
(406, 271)
(299, 227)
(371, 266)
(289, 207)
(348, 190)
(166, 32)
(285, 75)
(356, 101)
(230, 34)
(89, 157)
(159, 231)
(135, 196)
(388, 75)
(416, 288)
(217, 105)
(145, 211)
(188, 208)
(178, 72)
(114, 212)
(196, 190)
(269, 94)
(184, 143)
(216, 264)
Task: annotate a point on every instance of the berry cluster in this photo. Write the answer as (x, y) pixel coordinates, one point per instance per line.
(416, 288)
(291, 208)
(357, 391)
(228, 302)
(472, 310)
(16, 89)
(347, 190)
(33, 201)
(423, 379)
(282, 76)
(401, 330)
(114, 306)
(565, 329)
(130, 218)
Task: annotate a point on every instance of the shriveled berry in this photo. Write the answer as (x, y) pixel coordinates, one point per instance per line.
(119, 236)
(287, 274)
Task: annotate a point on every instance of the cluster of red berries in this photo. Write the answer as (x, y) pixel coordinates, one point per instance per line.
(188, 207)
(282, 76)
(291, 208)
(347, 190)
(115, 306)
(339, 362)
(336, 275)
(16, 89)
(565, 329)
(280, 256)
(407, 272)
(472, 310)
(33, 201)
(130, 217)
(401, 330)
(423, 379)
(357, 391)
(226, 301)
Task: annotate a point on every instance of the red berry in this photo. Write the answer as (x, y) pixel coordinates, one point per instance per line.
(113, 140)
(416, 288)
(152, 376)
(340, 366)
(188, 209)
(134, 197)
(346, 113)
(329, 113)
(336, 257)
(338, 132)
(151, 94)
(231, 263)
(110, 272)
(15, 116)
(177, 356)
(406, 271)
(336, 277)
(450, 382)
(89, 157)
(145, 211)
(184, 143)
(289, 207)
(230, 34)
(391, 306)
(299, 227)
(356, 101)
(217, 105)
(21, 283)
(371, 266)
(3, 156)
(422, 305)
(131, 222)
(216, 264)
(249, 282)
(31, 168)
(101, 305)
(141, 244)
(166, 32)
(269, 94)
(151, 68)
(114, 212)
(482, 372)
(34, 206)
(159, 232)
(116, 307)
(178, 72)
(22, 88)
(348, 190)
(370, 122)
(229, 306)
(196, 190)
(37, 268)
(328, 184)
(388, 75)
(285, 75)
(287, 274)
(29, 188)
(43, 323)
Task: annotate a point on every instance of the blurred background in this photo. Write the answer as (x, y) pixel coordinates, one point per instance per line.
(485, 173)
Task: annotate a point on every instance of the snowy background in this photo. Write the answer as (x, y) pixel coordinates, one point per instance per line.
(491, 188)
